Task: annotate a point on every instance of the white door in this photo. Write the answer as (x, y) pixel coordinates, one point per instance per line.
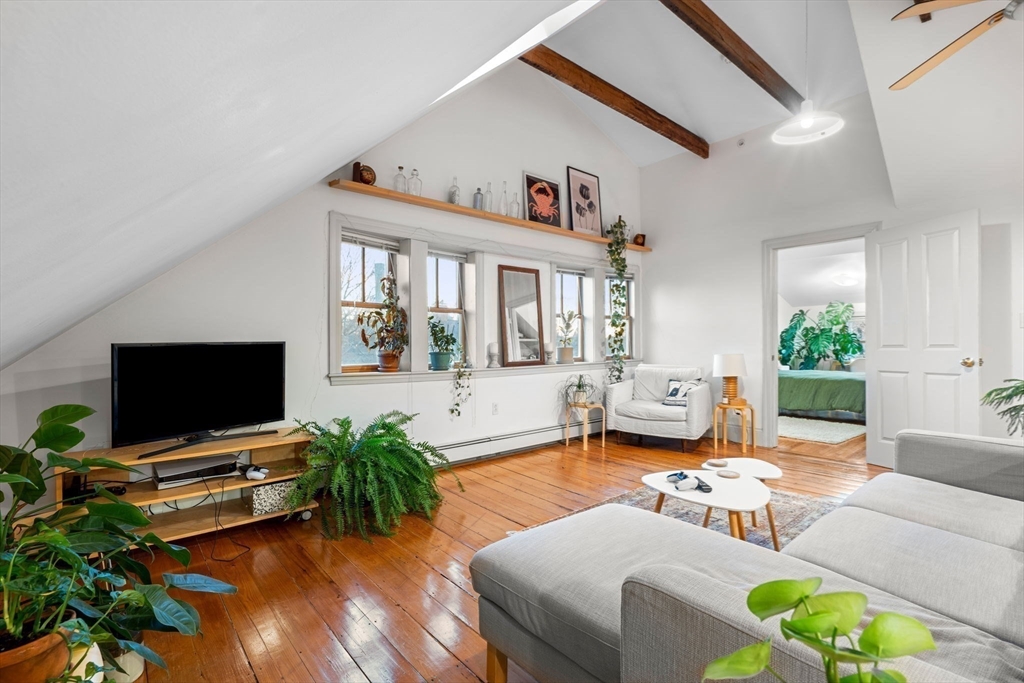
(922, 331)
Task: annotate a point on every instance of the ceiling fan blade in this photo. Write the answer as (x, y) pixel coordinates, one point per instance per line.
(929, 7)
(947, 52)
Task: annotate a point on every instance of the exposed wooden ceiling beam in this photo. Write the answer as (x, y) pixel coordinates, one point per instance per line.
(708, 26)
(575, 76)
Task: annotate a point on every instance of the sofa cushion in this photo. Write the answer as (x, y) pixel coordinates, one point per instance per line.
(972, 581)
(961, 511)
(651, 410)
(650, 382)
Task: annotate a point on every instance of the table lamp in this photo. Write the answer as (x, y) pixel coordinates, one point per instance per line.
(729, 366)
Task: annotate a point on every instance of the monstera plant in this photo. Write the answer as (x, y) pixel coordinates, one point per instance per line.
(804, 344)
(70, 576)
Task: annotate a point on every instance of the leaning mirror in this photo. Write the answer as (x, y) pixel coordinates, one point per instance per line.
(522, 327)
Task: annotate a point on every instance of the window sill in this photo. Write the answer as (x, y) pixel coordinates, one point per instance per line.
(350, 378)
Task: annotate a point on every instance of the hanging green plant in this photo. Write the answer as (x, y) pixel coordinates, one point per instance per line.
(619, 294)
(460, 389)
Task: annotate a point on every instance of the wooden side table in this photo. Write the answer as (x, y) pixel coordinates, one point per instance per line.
(723, 409)
(586, 408)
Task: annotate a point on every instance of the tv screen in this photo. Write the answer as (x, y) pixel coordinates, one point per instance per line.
(164, 391)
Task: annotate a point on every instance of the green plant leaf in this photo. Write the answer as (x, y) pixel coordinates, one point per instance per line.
(891, 635)
(849, 605)
(887, 676)
(99, 463)
(86, 542)
(10, 478)
(131, 597)
(776, 597)
(57, 437)
(119, 511)
(746, 662)
(198, 583)
(24, 464)
(143, 651)
(83, 608)
(167, 610)
(66, 414)
(53, 460)
(818, 624)
(180, 554)
(840, 654)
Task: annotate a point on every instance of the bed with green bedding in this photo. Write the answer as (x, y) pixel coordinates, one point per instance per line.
(822, 393)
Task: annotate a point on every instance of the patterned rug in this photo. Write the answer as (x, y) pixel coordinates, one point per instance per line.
(794, 512)
(821, 431)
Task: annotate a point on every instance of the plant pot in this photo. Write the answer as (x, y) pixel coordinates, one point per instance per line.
(565, 355)
(84, 655)
(38, 661)
(440, 361)
(579, 397)
(133, 665)
(387, 361)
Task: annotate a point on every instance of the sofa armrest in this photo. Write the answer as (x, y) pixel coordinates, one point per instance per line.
(994, 466)
(699, 408)
(617, 394)
(675, 621)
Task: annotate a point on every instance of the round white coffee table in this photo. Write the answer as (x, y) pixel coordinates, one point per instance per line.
(758, 469)
(744, 494)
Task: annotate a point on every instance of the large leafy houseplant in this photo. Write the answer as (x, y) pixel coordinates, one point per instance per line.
(389, 324)
(619, 304)
(71, 571)
(366, 479)
(804, 344)
(822, 622)
(1011, 400)
(443, 344)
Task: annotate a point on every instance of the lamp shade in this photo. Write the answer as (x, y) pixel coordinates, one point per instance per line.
(729, 365)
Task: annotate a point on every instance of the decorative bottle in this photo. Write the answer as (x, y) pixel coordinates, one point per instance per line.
(415, 184)
(453, 191)
(503, 200)
(478, 200)
(401, 184)
(513, 208)
(488, 199)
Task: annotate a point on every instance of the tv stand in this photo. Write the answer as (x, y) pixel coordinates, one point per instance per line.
(204, 437)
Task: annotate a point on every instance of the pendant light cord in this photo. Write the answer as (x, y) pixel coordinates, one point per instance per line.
(807, 33)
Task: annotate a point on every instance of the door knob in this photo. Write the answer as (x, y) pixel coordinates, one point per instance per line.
(967, 362)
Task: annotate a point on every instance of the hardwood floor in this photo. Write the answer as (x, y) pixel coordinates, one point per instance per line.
(403, 608)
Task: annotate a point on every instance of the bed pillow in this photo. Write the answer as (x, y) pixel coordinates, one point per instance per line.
(677, 391)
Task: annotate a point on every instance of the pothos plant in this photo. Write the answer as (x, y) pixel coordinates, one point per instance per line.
(460, 389)
(822, 622)
(619, 293)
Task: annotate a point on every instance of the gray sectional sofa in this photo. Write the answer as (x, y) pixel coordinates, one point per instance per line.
(622, 594)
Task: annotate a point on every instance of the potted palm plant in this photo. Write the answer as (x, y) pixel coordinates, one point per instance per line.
(69, 579)
(443, 344)
(389, 324)
(568, 326)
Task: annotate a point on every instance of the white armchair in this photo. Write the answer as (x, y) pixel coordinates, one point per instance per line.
(635, 406)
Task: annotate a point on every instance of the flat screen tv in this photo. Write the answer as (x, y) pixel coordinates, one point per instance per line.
(166, 391)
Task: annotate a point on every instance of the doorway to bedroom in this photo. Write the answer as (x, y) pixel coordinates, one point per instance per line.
(817, 348)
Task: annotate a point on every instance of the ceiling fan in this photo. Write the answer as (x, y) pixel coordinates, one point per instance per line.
(1014, 10)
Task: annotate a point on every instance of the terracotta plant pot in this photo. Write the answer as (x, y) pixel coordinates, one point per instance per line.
(387, 361)
(36, 662)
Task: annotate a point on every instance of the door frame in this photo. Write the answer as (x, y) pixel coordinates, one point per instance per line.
(770, 312)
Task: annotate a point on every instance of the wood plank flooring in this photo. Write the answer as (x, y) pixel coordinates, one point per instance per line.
(403, 608)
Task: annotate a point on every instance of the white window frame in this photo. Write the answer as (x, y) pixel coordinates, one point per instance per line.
(460, 310)
(580, 308)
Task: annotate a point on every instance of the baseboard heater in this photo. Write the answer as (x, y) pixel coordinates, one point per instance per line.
(560, 428)
(181, 472)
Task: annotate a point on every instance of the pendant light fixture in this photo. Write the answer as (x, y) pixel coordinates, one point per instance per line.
(809, 125)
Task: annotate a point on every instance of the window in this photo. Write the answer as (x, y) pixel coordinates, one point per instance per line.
(445, 300)
(628, 282)
(362, 267)
(569, 297)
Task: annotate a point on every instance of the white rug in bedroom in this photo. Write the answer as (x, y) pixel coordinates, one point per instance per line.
(821, 431)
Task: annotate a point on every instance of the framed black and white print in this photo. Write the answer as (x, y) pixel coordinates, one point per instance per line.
(543, 200)
(584, 202)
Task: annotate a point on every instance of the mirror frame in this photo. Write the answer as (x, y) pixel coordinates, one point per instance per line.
(504, 318)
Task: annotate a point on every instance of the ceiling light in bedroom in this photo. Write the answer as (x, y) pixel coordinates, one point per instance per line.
(844, 279)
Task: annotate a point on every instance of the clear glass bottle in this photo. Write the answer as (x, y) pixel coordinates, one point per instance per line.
(513, 208)
(400, 182)
(415, 184)
(478, 199)
(453, 191)
(503, 199)
(488, 199)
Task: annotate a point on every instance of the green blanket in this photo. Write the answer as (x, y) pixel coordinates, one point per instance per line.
(821, 390)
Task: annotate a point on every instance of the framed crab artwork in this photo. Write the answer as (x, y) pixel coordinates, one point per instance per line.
(584, 202)
(543, 200)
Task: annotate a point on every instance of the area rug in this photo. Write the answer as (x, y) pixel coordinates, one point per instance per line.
(821, 431)
(794, 513)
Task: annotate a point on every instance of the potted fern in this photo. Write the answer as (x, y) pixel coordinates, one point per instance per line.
(390, 326)
(443, 344)
(366, 479)
(568, 325)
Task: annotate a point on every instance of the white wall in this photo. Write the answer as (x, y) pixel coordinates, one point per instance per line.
(268, 280)
(703, 292)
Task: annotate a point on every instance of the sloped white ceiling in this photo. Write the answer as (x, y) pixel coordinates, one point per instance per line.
(957, 135)
(642, 48)
(135, 134)
(807, 274)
